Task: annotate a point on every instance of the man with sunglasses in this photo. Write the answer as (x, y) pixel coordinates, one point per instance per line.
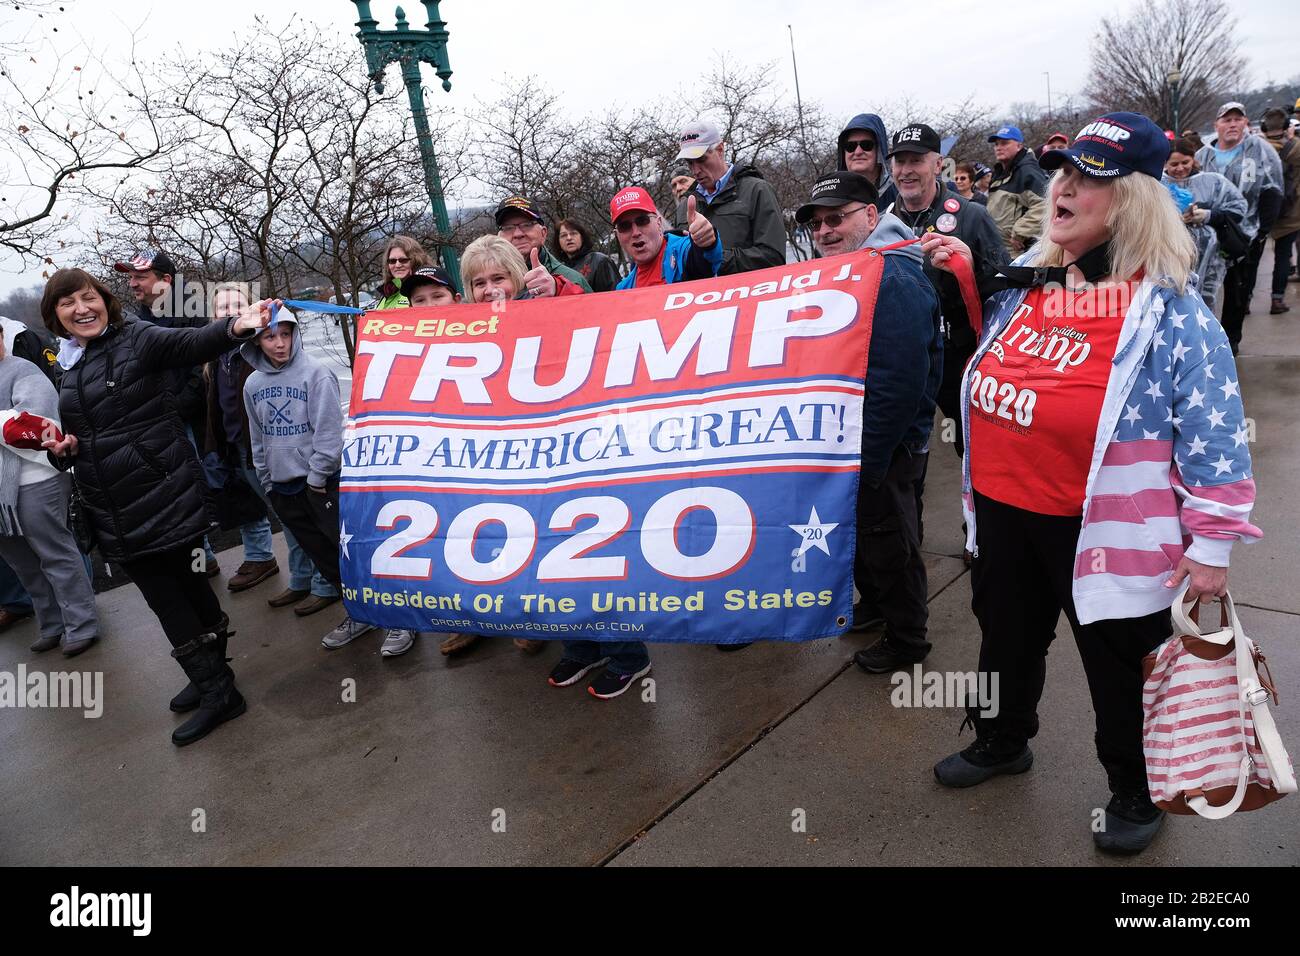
(520, 224)
(904, 364)
(660, 257)
(861, 149)
(735, 198)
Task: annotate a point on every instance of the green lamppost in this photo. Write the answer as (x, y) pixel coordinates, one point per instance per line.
(1175, 79)
(410, 48)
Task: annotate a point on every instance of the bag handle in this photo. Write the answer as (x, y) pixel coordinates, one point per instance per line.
(1189, 621)
(1211, 812)
(1253, 694)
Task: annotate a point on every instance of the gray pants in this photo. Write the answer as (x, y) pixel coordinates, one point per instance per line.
(48, 563)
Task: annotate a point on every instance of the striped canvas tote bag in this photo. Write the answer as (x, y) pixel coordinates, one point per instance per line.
(1210, 742)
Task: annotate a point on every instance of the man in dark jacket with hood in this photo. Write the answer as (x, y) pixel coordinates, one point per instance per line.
(736, 199)
(861, 149)
(904, 365)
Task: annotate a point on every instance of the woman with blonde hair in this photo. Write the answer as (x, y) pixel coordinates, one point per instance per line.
(402, 258)
(1106, 462)
(492, 270)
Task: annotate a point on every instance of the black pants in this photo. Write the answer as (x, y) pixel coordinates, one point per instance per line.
(1021, 581)
(178, 595)
(888, 567)
(1238, 287)
(1282, 248)
(314, 520)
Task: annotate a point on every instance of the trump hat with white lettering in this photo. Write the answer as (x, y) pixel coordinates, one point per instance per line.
(629, 199)
(1114, 145)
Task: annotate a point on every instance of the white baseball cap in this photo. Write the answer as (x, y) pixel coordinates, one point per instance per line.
(697, 139)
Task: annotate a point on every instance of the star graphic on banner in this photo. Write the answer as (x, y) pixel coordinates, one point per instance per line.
(1216, 417)
(1160, 337)
(1229, 388)
(1209, 370)
(344, 538)
(813, 534)
(1198, 447)
(1240, 436)
(1222, 466)
(1203, 319)
(1150, 436)
(1133, 416)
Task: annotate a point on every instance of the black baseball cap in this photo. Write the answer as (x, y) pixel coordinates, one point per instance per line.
(430, 274)
(837, 189)
(518, 204)
(917, 138)
(1114, 145)
(155, 261)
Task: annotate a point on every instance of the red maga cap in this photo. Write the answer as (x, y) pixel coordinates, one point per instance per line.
(633, 197)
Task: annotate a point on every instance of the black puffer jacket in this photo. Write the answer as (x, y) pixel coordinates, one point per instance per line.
(138, 475)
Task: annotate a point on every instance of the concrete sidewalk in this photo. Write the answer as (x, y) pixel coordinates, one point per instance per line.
(715, 770)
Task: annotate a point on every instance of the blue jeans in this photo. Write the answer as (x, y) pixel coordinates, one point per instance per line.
(303, 575)
(625, 657)
(13, 596)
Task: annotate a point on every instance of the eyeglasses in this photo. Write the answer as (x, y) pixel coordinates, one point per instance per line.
(640, 222)
(831, 220)
(516, 227)
(866, 145)
(398, 262)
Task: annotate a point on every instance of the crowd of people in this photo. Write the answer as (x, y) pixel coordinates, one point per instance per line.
(1112, 430)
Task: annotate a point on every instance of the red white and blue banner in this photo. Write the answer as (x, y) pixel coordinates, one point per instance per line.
(677, 463)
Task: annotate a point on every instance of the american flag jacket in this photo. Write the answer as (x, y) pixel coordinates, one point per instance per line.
(1170, 471)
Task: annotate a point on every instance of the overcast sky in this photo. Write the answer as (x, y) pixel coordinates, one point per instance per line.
(852, 53)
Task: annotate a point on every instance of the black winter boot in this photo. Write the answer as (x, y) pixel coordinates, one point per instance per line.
(219, 700)
(188, 698)
(990, 755)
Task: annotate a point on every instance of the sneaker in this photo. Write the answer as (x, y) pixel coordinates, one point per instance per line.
(1132, 822)
(347, 632)
(866, 615)
(396, 642)
(981, 761)
(883, 657)
(251, 574)
(568, 672)
(608, 686)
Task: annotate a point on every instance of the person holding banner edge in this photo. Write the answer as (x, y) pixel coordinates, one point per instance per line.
(904, 369)
(1126, 434)
(138, 472)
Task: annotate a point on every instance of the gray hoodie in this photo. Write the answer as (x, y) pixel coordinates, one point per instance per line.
(295, 418)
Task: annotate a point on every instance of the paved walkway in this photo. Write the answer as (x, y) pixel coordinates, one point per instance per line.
(715, 770)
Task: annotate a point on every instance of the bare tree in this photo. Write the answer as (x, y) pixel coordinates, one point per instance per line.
(68, 121)
(1132, 57)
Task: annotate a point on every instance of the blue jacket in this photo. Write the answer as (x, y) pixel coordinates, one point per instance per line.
(905, 359)
(683, 261)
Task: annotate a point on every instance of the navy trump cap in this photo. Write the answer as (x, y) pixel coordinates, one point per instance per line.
(1114, 145)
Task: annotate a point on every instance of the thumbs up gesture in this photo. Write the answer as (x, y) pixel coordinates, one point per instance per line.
(537, 280)
(698, 227)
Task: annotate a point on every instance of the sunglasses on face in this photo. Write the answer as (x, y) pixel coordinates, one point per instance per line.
(832, 220)
(398, 262)
(640, 222)
(866, 145)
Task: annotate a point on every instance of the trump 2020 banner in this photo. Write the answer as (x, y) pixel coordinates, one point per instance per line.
(677, 463)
